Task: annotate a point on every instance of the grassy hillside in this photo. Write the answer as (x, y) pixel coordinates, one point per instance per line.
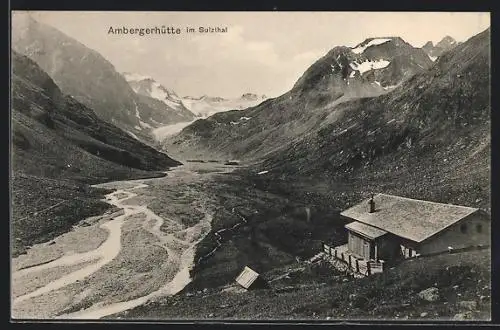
(59, 146)
(314, 292)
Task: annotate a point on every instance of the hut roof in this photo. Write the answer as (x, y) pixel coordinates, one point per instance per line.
(247, 277)
(365, 230)
(412, 219)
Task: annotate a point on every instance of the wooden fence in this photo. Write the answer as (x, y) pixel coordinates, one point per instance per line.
(361, 266)
(451, 251)
(369, 267)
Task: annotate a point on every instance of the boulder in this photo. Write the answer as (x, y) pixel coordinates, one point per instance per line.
(470, 304)
(359, 302)
(430, 294)
(424, 314)
(463, 316)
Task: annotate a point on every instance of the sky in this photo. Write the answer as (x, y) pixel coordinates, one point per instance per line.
(261, 52)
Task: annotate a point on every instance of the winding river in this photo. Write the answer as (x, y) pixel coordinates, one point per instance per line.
(180, 254)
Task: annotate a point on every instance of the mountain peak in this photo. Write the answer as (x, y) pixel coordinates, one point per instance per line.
(373, 66)
(429, 44)
(434, 51)
(375, 41)
(446, 42)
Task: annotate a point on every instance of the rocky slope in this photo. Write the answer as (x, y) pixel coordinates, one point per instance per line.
(87, 76)
(434, 51)
(373, 67)
(460, 286)
(59, 146)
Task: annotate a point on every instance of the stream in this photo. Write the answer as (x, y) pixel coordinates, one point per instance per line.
(180, 251)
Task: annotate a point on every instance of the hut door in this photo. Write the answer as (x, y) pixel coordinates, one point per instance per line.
(366, 250)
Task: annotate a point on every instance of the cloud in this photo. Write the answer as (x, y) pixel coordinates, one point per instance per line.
(232, 46)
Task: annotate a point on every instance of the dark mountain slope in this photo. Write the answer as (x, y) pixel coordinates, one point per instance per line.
(59, 146)
(86, 75)
(372, 68)
(428, 138)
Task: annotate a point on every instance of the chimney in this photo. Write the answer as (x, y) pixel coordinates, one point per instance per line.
(372, 204)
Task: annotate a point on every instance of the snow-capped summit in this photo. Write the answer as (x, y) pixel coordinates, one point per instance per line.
(446, 42)
(147, 86)
(369, 42)
(167, 107)
(370, 68)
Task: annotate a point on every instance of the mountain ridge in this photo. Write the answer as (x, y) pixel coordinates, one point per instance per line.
(439, 116)
(334, 78)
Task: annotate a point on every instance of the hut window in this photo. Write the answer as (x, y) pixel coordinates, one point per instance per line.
(463, 228)
(479, 228)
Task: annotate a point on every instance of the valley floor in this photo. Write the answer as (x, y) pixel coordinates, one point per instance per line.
(143, 248)
(177, 244)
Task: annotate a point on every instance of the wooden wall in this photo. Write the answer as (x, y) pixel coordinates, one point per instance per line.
(359, 245)
(459, 237)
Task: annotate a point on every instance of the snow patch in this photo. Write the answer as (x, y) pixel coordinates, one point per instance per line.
(245, 118)
(144, 125)
(389, 87)
(137, 114)
(262, 172)
(169, 98)
(378, 41)
(161, 133)
(174, 105)
(369, 65)
(353, 73)
(137, 128)
(157, 92)
(433, 58)
(133, 135)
